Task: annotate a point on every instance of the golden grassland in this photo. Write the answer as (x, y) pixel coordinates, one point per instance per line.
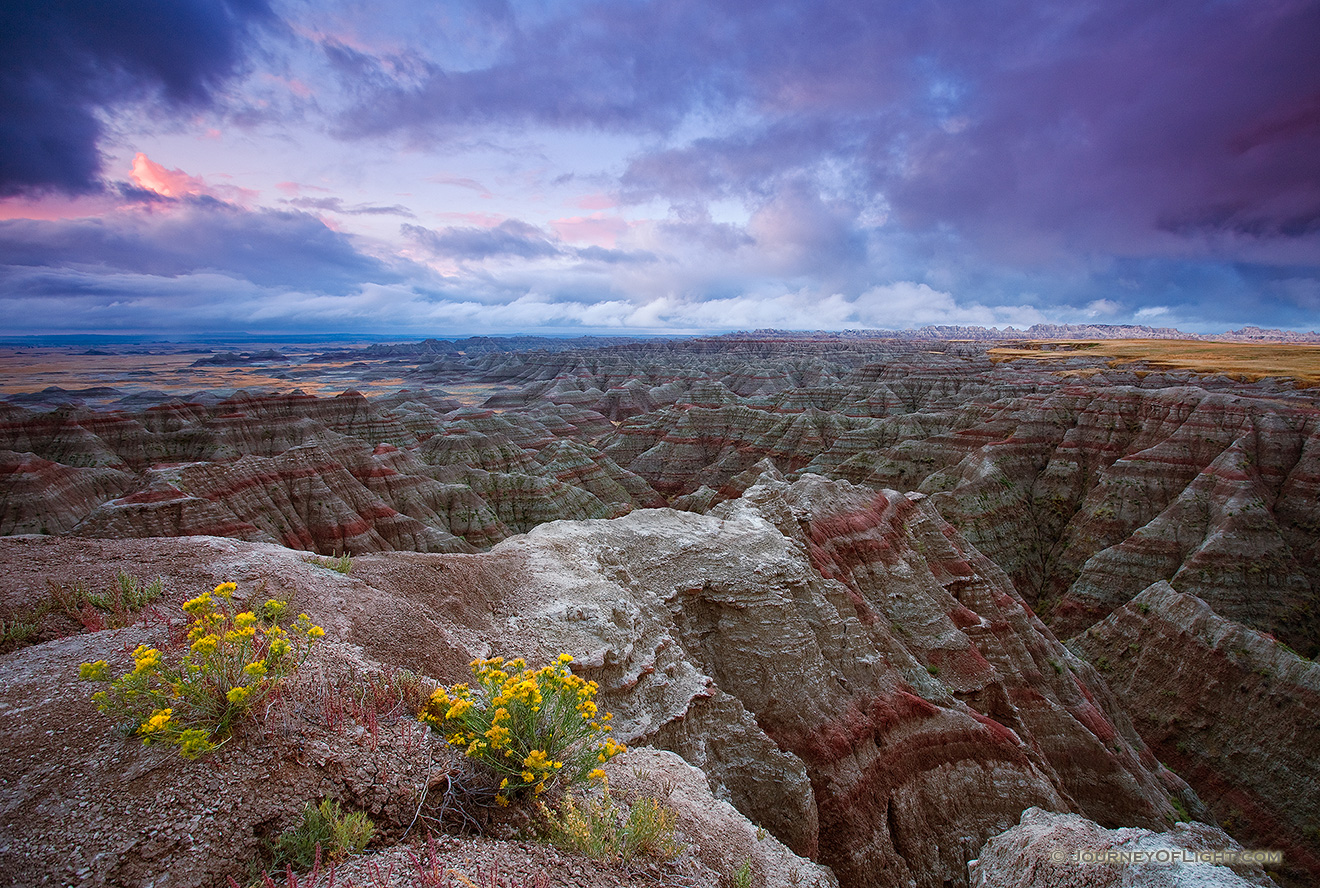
(1245, 361)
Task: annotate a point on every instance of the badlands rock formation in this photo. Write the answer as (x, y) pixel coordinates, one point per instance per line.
(1084, 482)
(849, 619)
(841, 665)
(326, 475)
(1230, 709)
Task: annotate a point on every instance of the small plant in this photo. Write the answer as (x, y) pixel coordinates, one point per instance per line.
(325, 828)
(235, 661)
(114, 608)
(601, 830)
(1184, 815)
(533, 729)
(933, 669)
(742, 877)
(127, 593)
(340, 563)
(16, 632)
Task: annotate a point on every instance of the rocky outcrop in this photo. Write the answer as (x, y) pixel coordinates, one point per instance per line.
(725, 841)
(1085, 482)
(1049, 850)
(81, 804)
(1230, 709)
(840, 664)
(840, 672)
(335, 475)
(41, 496)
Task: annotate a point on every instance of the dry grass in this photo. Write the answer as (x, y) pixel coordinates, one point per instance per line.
(1245, 361)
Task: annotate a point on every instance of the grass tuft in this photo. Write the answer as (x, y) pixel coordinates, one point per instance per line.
(339, 563)
(601, 830)
(327, 830)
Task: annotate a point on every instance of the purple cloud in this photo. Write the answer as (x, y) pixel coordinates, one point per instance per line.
(1026, 127)
(1180, 117)
(268, 248)
(336, 205)
(61, 61)
(513, 239)
(509, 238)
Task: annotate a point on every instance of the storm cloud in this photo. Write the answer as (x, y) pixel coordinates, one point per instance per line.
(62, 61)
(675, 164)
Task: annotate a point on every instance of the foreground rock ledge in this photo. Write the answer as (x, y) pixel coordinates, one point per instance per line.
(845, 668)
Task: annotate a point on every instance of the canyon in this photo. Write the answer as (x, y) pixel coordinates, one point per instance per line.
(886, 594)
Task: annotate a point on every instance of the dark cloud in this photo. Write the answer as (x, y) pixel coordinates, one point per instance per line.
(509, 238)
(61, 61)
(336, 205)
(750, 162)
(268, 248)
(1033, 129)
(601, 64)
(514, 239)
(1134, 118)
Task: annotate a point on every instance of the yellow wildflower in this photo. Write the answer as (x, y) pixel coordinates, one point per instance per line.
(238, 696)
(610, 750)
(157, 722)
(194, 742)
(200, 606)
(93, 671)
(226, 590)
(146, 660)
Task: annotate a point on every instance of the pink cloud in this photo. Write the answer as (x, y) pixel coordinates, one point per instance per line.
(175, 183)
(597, 229)
(52, 207)
(292, 84)
(168, 183)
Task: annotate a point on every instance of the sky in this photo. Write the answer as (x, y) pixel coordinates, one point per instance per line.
(656, 166)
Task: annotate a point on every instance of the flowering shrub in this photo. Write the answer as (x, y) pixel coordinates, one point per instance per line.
(234, 662)
(533, 728)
